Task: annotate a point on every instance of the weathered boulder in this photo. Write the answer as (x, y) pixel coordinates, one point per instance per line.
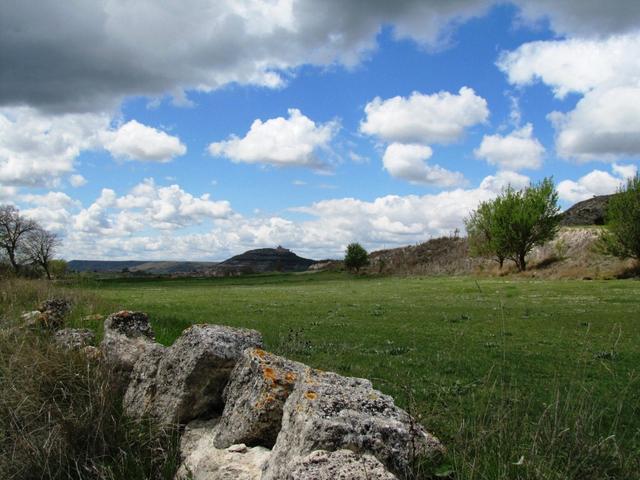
(254, 398)
(130, 324)
(74, 338)
(193, 372)
(202, 461)
(127, 335)
(141, 390)
(54, 311)
(339, 465)
(326, 411)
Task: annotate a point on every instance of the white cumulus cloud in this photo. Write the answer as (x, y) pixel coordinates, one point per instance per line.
(605, 124)
(77, 180)
(421, 118)
(135, 141)
(279, 141)
(502, 179)
(597, 182)
(36, 149)
(515, 151)
(409, 162)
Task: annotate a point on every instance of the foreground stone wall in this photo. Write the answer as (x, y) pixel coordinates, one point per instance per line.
(248, 414)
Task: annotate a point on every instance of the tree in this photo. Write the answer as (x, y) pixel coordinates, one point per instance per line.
(622, 235)
(13, 227)
(516, 221)
(40, 246)
(483, 241)
(356, 257)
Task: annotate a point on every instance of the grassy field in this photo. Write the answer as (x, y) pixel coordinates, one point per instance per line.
(519, 378)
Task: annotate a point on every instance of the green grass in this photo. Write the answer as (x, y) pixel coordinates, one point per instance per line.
(519, 378)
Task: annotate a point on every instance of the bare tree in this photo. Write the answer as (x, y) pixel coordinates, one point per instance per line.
(13, 227)
(40, 246)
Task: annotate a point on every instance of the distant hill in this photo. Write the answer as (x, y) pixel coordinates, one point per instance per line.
(264, 260)
(141, 266)
(588, 212)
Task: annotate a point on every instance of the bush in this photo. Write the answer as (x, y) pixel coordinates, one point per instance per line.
(622, 236)
(356, 257)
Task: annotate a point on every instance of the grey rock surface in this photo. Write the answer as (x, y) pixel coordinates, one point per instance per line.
(141, 390)
(130, 324)
(74, 338)
(127, 336)
(54, 312)
(202, 461)
(194, 371)
(338, 465)
(254, 399)
(329, 412)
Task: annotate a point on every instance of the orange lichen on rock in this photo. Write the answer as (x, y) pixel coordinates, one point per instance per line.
(270, 374)
(259, 352)
(310, 395)
(290, 377)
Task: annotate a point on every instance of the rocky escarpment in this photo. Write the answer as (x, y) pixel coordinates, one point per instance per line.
(249, 414)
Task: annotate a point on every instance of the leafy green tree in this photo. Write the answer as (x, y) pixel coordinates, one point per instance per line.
(481, 233)
(622, 235)
(355, 257)
(509, 226)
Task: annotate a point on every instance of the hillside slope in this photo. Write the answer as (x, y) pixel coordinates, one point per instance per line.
(263, 260)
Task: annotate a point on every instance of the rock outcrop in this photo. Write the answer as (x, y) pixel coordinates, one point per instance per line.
(339, 465)
(190, 376)
(74, 338)
(263, 260)
(202, 461)
(588, 212)
(127, 336)
(329, 412)
(254, 399)
(237, 400)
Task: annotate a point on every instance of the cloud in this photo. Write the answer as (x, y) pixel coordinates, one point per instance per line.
(135, 141)
(583, 17)
(280, 141)
(605, 124)
(51, 210)
(574, 65)
(88, 57)
(515, 151)
(36, 149)
(408, 161)
(8, 194)
(437, 118)
(77, 180)
(595, 183)
(502, 179)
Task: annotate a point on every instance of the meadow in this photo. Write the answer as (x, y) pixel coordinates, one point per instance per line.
(520, 378)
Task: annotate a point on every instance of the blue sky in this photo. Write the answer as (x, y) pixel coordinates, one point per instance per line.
(152, 131)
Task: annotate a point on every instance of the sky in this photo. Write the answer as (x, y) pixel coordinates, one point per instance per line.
(196, 130)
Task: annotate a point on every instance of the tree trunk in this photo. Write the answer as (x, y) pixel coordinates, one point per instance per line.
(522, 262)
(46, 270)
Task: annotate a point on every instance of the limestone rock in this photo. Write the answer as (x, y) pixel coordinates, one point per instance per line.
(339, 465)
(74, 338)
(141, 390)
(54, 311)
(127, 336)
(195, 369)
(254, 398)
(130, 324)
(329, 412)
(202, 461)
